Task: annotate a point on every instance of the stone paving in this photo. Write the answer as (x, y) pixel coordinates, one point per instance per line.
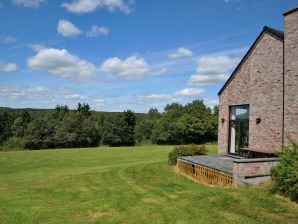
(218, 162)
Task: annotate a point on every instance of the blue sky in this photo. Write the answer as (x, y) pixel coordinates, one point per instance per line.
(125, 54)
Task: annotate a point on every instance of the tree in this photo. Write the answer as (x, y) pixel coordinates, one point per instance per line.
(119, 130)
(192, 123)
(76, 130)
(112, 132)
(40, 134)
(20, 124)
(84, 109)
(6, 122)
(143, 128)
(153, 114)
(129, 122)
(61, 111)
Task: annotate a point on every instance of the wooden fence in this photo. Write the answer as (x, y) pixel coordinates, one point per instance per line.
(205, 174)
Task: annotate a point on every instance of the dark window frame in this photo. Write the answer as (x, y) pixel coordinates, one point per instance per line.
(237, 121)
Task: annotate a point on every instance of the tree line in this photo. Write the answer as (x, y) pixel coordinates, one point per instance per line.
(82, 127)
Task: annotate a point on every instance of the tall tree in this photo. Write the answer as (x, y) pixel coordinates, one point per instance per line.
(6, 122)
(119, 130)
(129, 122)
(84, 109)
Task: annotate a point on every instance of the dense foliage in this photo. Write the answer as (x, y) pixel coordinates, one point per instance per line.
(186, 150)
(192, 123)
(82, 127)
(285, 174)
(120, 131)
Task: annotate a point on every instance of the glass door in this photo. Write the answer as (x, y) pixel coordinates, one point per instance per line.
(239, 127)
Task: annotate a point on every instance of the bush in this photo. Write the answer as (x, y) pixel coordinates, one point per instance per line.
(186, 150)
(285, 174)
(14, 143)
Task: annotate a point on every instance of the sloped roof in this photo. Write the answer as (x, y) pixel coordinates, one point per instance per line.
(266, 29)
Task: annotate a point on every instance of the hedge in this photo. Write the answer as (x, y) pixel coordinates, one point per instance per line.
(186, 150)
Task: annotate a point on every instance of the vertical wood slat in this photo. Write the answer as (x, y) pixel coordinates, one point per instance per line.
(205, 174)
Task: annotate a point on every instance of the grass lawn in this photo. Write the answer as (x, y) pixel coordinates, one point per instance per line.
(122, 185)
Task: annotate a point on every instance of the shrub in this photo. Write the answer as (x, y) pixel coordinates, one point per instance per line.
(285, 174)
(14, 143)
(186, 150)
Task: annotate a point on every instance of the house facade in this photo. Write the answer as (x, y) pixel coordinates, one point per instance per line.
(258, 105)
(258, 112)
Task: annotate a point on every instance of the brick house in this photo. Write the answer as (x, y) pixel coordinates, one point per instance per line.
(258, 105)
(258, 112)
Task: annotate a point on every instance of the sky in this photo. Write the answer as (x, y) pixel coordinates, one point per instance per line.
(118, 55)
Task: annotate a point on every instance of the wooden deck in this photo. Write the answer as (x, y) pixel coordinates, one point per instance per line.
(218, 162)
(212, 170)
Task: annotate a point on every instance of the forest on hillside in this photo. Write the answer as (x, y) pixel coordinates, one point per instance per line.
(64, 128)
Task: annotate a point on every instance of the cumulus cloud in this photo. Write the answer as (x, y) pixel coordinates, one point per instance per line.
(181, 53)
(212, 70)
(28, 3)
(7, 67)
(98, 31)
(7, 39)
(61, 63)
(133, 67)
(67, 29)
(189, 92)
(86, 6)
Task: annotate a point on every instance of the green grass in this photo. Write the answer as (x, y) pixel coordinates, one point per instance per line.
(122, 185)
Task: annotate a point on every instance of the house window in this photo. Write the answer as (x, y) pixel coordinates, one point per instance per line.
(238, 129)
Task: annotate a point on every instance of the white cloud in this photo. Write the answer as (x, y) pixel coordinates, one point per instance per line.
(28, 3)
(226, 1)
(181, 53)
(86, 6)
(37, 96)
(190, 92)
(133, 67)
(38, 89)
(153, 97)
(212, 70)
(210, 102)
(7, 67)
(98, 31)
(20, 94)
(67, 29)
(61, 63)
(75, 96)
(7, 39)
(37, 47)
(178, 96)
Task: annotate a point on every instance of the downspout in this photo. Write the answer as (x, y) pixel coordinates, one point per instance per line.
(283, 94)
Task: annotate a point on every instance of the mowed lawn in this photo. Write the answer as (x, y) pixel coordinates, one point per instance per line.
(123, 185)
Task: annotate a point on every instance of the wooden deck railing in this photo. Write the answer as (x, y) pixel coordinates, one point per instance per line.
(205, 174)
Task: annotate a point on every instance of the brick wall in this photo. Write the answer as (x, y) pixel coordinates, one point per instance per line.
(291, 74)
(244, 170)
(259, 83)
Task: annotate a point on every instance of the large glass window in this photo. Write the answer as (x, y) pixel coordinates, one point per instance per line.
(239, 128)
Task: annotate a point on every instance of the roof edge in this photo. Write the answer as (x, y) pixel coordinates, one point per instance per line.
(291, 10)
(279, 35)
